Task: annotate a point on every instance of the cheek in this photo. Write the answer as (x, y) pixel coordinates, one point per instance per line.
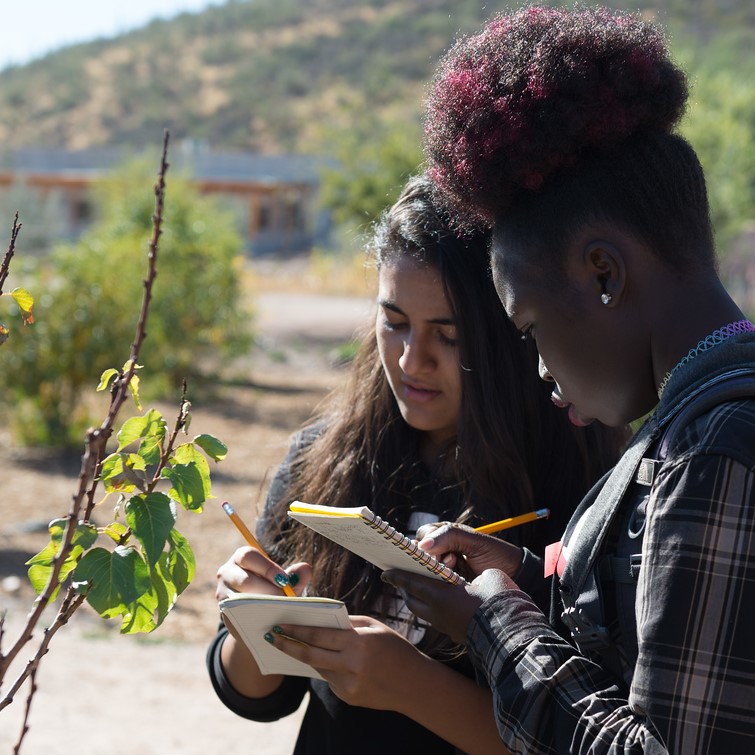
(452, 373)
(387, 350)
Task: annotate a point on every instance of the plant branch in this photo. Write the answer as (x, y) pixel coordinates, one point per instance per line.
(27, 710)
(181, 419)
(69, 605)
(5, 265)
(95, 444)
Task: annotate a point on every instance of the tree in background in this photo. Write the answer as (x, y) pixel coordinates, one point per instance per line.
(372, 161)
(720, 125)
(88, 309)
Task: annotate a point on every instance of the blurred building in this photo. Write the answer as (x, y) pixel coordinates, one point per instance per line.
(274, 197)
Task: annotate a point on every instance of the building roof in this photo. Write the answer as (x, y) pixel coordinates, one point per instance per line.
(197, 159)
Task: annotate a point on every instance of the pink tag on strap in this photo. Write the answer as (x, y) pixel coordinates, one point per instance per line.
(554, 559)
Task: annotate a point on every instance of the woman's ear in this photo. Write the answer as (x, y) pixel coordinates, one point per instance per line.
(606, 271)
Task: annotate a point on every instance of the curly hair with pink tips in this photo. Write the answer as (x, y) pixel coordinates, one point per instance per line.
(536, 90)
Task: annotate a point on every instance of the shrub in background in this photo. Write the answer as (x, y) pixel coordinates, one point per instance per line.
(89, 308)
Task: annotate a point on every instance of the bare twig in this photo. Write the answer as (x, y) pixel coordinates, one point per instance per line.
(25, 723)
(5, 264)
(95, 444)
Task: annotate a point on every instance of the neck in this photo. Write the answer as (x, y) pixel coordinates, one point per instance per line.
(431, 446)
(705, 307)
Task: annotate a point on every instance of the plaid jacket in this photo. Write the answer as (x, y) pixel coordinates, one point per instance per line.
(693, 687)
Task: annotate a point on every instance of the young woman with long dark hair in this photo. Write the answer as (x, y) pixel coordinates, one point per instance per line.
(442, 418)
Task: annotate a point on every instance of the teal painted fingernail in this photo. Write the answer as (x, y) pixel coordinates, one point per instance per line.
(293, 579)
(269, 638)
(281, 580)
(277, 629)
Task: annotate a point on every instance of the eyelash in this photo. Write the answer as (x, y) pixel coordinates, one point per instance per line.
(444, 339)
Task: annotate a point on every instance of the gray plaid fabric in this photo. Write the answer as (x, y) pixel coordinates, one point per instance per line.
(693, 688)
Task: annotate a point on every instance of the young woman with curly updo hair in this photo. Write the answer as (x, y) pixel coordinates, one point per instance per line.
(443, 418)
(554, 128)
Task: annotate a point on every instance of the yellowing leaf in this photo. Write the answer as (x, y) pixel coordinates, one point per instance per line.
(106, 379)
(25, 303)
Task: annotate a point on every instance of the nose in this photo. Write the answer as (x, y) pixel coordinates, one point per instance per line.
(543, 370)
(415, 358)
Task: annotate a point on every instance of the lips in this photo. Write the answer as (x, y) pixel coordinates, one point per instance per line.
(419, 393)
(574, 417)
(558, 401)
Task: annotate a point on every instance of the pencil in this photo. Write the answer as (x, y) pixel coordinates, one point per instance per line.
(514, 521)
(252, 540)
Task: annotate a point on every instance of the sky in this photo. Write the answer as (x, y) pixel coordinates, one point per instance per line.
(32, 28)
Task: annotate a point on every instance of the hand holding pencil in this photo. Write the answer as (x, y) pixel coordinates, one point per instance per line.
(480, 550)
(250, 569)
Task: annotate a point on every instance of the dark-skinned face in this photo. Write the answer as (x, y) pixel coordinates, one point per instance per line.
(593, 353)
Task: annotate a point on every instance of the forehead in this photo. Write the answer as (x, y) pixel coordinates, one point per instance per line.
(512, 274)
(406, 274)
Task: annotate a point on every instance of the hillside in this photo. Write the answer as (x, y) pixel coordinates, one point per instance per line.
(266, 75)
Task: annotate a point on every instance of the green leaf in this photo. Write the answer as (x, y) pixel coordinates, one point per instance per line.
(170, 576)
(188, 485)
(149, 611)
(40, 566)
(180, 563)
(133, 386)
(123, 472)
(139, 615)
(214, 448)
(150, 430)
(151, 519)
(187, 453)
(111, 580)
(106, 379)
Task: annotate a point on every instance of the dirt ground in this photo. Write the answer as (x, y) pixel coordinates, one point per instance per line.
(100, 692)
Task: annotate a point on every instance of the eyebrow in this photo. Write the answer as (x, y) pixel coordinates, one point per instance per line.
(387, 304)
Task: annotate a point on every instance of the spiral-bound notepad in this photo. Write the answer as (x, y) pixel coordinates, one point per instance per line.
(375, 540)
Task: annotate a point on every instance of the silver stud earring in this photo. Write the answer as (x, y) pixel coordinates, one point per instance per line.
(606, 298)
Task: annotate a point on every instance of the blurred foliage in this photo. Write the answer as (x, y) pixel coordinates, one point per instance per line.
(87, 296)
(373, 161)
(345, 79)
(720, 124)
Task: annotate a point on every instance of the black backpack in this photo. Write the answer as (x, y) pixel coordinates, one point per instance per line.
(610, 611)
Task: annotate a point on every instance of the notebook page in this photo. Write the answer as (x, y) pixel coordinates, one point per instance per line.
(378, 547)
(253, 615)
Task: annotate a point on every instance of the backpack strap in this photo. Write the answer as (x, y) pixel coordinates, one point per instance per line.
(730, 386)
(584, 614)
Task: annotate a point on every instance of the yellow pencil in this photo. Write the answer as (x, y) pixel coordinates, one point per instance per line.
(513, 521)
(252, 540)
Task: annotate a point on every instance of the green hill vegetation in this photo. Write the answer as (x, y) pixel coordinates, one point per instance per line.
(345, 78)
(266, 75)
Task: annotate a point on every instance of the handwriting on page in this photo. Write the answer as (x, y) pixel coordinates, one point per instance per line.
(377, 547)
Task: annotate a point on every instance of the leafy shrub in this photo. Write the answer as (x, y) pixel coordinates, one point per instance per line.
(88, 309)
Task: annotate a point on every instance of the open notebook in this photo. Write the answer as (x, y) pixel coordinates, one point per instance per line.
(376, 541)
(253, 615)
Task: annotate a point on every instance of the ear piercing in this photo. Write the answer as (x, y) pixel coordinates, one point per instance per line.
(606, 298)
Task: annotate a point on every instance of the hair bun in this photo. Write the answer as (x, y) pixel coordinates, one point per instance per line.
(537, 88)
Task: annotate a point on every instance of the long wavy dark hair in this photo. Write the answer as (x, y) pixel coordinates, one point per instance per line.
(514, 451)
